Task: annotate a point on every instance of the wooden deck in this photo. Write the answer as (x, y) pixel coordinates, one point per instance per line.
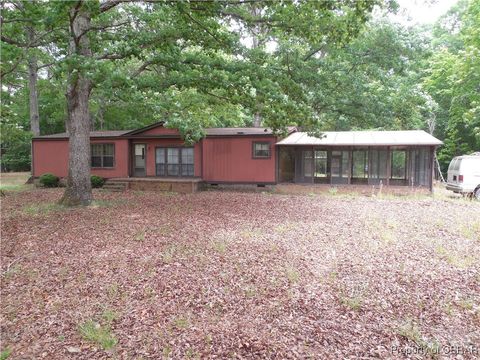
(179, 185)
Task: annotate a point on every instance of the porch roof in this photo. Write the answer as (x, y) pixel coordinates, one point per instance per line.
(363, 138)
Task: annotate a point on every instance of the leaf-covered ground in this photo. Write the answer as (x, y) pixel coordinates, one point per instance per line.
(239, 275)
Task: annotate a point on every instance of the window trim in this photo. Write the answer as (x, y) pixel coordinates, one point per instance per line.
(103, 167)
(262, 157)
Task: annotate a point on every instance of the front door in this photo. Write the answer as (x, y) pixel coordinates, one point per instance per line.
(139, 160)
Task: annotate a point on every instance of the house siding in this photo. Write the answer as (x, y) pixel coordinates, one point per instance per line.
(51, 156)
(230, 160)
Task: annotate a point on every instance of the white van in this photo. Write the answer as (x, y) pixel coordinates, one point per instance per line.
(464, 175)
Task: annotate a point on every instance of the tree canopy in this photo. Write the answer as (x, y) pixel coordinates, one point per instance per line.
(321, 65)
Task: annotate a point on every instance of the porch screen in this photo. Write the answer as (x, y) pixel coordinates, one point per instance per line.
(378, 166)
(340, 164)
(399, 164)
(421, 167)
(320, 164)
(307, 164)
(360, 164)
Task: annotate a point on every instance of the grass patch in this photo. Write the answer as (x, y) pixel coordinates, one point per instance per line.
(96, 333)
(220, 246)
(333, 191)
(410, 331)
(164, 230)
(354, 303)
(139, 236)
(284, 228)
(251, 234)
(17, 187)
(293, 275)
(12, 271)
(107, 203)
(250, 291)
(166, 352)
(168, 254)
(109, 316)
(15, 181)
(383, 229)
(43, 209)
(454, 259)
(466, 304)
(181, 323)
(471, 231)
(5, 354)
(113, 291)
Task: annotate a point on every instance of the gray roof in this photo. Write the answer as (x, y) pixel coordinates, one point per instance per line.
(109, 133)
(363, 138)
(238, 131)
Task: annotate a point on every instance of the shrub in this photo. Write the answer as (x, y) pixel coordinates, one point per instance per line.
(49, 180)
(97, 181)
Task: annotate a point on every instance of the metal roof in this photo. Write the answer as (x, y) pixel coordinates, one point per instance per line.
(363, 138)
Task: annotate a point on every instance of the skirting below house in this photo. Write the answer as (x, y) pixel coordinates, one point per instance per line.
(178, 185)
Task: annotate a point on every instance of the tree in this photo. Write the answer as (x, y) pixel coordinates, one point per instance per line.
(177, 68)
(453, 78)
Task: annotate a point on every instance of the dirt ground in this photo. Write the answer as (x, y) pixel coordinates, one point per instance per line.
(240, 275)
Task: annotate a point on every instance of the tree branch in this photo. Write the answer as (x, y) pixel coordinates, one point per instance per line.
(12, 69)
(202, 27)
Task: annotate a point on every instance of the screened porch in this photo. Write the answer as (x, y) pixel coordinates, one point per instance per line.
(368, 166)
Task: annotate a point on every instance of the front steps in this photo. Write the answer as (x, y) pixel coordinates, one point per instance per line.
(115, 185)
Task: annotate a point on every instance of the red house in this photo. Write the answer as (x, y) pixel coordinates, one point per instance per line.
(156, 157)
(224, 155)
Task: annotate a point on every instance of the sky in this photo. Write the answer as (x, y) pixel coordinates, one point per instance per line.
(421, 11)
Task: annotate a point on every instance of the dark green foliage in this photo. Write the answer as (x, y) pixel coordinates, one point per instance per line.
(49, 180)
(15, 148)
(332, 67)
(97, 181)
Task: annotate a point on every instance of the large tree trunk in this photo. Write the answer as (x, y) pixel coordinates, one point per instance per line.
(33, 96)
(32, 86)
(257, 31)
(79, 190)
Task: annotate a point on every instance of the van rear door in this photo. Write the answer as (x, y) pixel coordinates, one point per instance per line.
(453, 170)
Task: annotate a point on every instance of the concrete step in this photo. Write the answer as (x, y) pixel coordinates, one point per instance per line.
(115, 186)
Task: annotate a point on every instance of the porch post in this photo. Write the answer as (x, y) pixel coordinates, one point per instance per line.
(350, 164)
(389, 166)
(432, 167)
(313, 165)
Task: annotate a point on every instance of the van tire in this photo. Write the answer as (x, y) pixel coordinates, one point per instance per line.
(476, 193)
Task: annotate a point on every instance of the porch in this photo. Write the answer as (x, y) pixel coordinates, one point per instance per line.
(372, 165)
(178, 185)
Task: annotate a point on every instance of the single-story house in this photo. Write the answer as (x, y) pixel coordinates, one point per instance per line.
(249, 156)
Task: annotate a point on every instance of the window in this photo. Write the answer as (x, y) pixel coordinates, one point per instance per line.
(261, 150)
(103, 155)
(399, 162)
(187, 162)
(174, 161)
